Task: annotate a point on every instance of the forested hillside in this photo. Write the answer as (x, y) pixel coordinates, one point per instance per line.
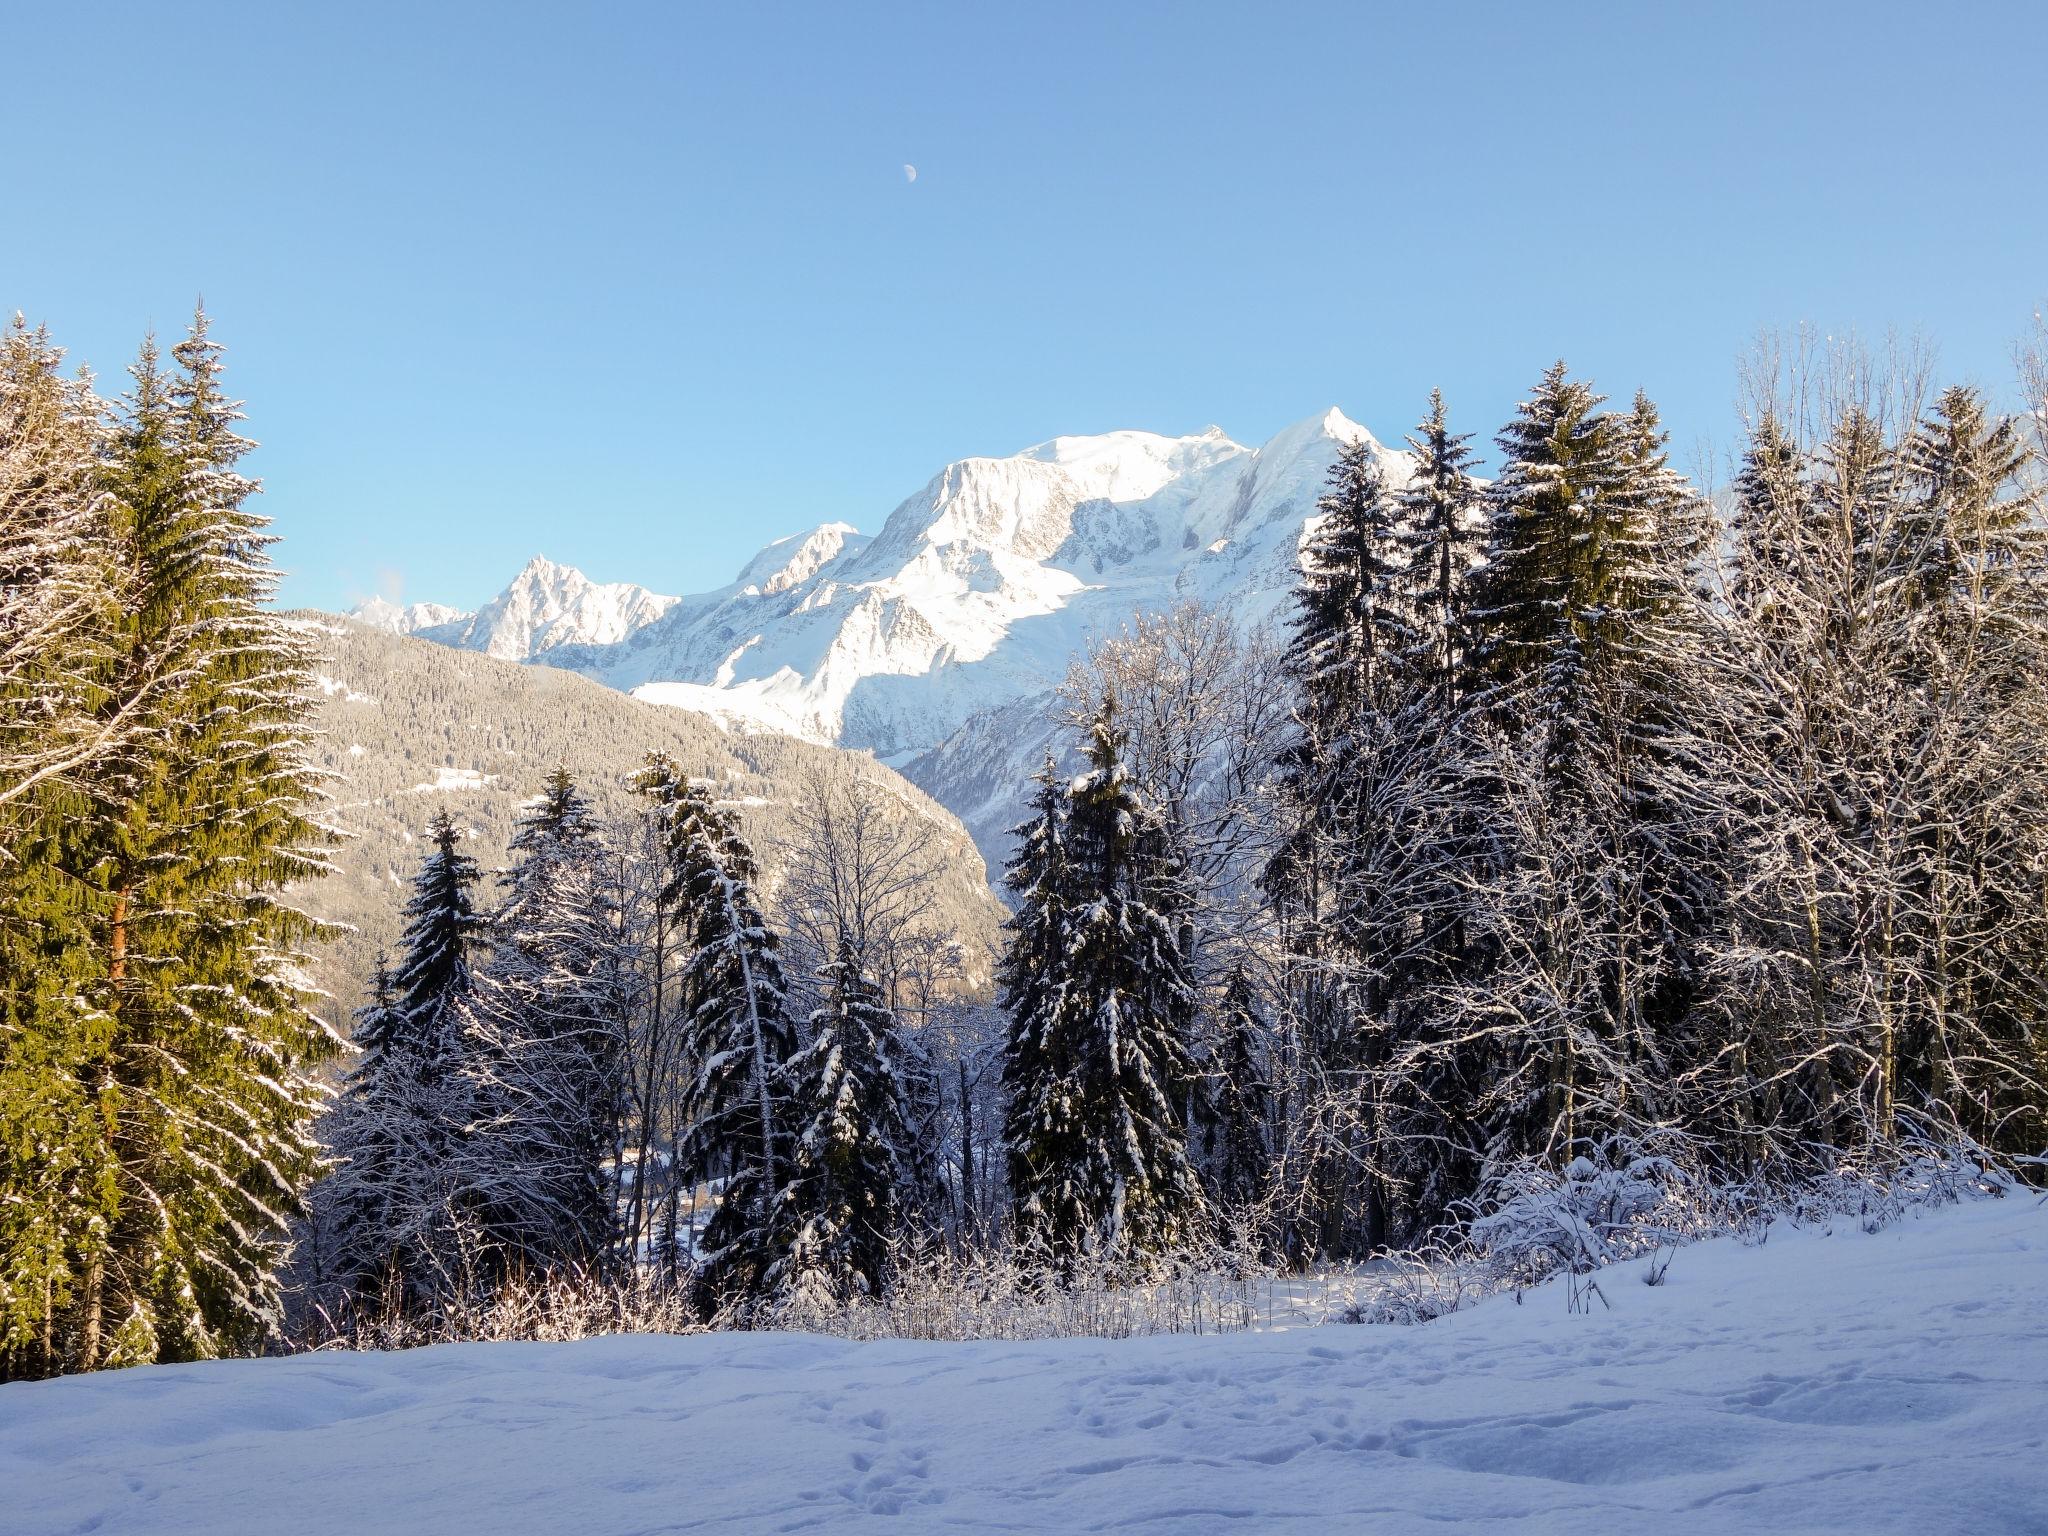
(407, 728)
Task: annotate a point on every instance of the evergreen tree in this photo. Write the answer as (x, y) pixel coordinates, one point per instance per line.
(60, 575)
(739, 1037)
(1350, 629)
(1440, 542)
(443, 931)
(847, 1155)
(543, 1036)
(1096, 1066)
(407, 1105)
(1243, 1099)
(194, 1034)
(1589, 908)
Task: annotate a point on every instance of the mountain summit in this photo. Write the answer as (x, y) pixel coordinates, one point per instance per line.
(973, 596)
(547, 605)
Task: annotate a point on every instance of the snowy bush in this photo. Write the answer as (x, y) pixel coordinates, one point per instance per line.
(1881, 1184)
(1621, 1199)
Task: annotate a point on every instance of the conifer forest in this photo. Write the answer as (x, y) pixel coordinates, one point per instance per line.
(1586, 818)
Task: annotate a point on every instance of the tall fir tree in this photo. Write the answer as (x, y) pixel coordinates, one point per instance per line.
(544, 1035)
(200, 1037)
(406, 1108)
(1242, 1109)
(739, 1038)
(1596, 893)
(849, 1147)
(1440, 541)
(1097, 1066)
(60, 581)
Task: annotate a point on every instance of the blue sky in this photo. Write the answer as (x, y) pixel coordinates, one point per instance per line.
(643, 286)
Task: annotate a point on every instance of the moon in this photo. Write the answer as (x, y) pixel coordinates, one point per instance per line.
(910, 173)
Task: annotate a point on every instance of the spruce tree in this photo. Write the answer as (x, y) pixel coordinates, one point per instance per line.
(739, 1038)
(192, 1034)
(407, 1103)
(1596, 894)
(543, 1046)
(1243, 1099)
(1097, 1067)
(1440, 542)
(60, 576)
(847, 1152)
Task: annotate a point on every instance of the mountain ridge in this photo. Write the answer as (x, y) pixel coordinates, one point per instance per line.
(973, 596)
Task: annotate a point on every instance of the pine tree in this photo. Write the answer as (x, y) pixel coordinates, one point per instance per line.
(407, 1105)
(543, 1046)
(739, 1037)
(1587, 621)
(59, 580)
(1096, 1066)
(1350, 630)
(443, 931)
(847, 1155)
(1440, 543)
(59, 583)
(1350, 636)
(203, 1035)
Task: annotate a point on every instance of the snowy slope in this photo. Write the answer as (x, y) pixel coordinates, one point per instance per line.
(1846, 1383)
(973, 596)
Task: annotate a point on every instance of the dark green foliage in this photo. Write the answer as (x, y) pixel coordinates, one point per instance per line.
(1100, 1004)
(543, 1042)
(847, 1154)
(166, 1003)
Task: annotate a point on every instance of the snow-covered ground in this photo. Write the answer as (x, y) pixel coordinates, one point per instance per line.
(1846, 1383)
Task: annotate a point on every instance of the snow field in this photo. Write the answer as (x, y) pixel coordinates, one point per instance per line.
(1895, 1382)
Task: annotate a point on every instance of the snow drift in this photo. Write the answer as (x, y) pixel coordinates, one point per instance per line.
(1827, 1380)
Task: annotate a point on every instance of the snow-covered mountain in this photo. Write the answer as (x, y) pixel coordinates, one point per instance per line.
(380, 613)
(924, 643)
(546, 606)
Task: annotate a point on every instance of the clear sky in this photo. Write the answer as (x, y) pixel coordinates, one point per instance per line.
(641, 286)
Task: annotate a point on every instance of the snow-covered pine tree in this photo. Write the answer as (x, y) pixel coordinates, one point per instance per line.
(1040, 1114)
(59, 578)
(181, 848)
(739, 1038)
(1348, 639)
(393, 1197)
(1585, 638)
(847, 1161)
(1440, 540)
(544, 1047)
(59, 622)
(1097, 1066)
(1360, 880)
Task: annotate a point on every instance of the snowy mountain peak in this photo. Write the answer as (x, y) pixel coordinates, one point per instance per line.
(381, 613)
(1130, 466)
(549, 605)
(1326, 427)
(797, 557)
(974, 596)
